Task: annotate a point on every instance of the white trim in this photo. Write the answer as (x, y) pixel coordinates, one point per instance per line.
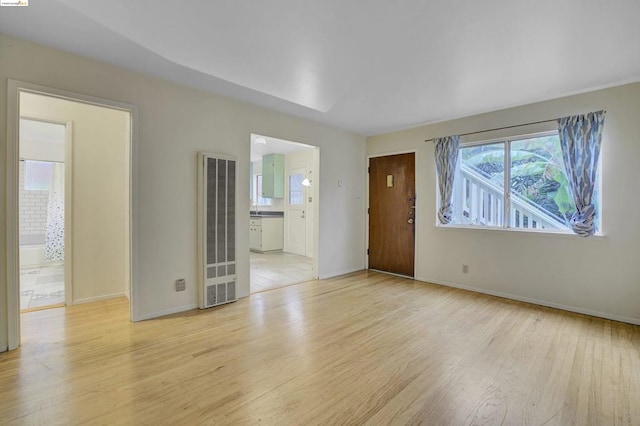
(134, 190)
(343, 272)
(530, 231)
(170, 311)
(416, 210)
(11, 226)
(315, 201)
(99, 298)
(621, 318)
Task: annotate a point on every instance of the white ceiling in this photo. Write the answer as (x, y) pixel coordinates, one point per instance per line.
(274, 146)
(369, 67)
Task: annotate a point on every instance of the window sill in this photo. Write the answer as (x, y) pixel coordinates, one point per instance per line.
(545, 233)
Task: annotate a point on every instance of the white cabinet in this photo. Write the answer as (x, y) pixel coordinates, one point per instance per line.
(266, 234)
(255, 235)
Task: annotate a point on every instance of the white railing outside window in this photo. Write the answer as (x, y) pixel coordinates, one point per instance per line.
(481, 202)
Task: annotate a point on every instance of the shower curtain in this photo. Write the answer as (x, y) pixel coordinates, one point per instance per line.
(54, 232)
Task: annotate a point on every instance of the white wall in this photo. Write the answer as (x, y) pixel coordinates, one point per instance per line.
(44, 151)
(175, 123)
(100, 141)
(597, 275)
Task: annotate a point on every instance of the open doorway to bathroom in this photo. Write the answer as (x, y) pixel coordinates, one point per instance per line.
(70, 164)
(41, 198)
(283, 207)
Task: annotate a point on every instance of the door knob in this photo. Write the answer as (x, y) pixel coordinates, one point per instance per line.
(410, 220)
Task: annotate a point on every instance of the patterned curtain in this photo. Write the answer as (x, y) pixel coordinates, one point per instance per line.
(446, 156)
(54, 231)
(580, 139)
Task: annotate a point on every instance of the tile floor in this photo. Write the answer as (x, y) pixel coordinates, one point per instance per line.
(273, 270)
(41, 286)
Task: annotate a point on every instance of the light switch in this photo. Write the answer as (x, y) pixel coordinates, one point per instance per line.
(389, 181)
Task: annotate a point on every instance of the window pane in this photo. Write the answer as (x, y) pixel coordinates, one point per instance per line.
(540, 195)
(261, 201)
(296, 190)
(37, 175)
(478, 196)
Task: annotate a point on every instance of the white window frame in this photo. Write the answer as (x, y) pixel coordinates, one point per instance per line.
(507, 190)
(260, 202)
(302, 192)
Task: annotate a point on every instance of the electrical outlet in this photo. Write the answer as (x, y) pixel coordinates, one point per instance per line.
(181, 284)
(465, 269)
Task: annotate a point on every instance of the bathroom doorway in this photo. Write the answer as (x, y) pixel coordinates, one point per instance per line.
(83, 219)
(43, 196)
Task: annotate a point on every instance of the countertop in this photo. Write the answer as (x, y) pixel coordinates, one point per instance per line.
(259, 214)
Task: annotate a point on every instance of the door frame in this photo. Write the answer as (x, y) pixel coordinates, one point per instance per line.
(14, 87)
(417, 215)
(68, 199)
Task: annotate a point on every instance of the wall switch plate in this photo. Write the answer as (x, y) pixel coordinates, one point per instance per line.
(181, 284)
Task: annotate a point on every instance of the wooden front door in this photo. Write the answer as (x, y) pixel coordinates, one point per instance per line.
(392, 198)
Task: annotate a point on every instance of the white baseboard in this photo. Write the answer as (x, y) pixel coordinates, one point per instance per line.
(98, 298)
(338, 273)
(169, 311)
(629, 320)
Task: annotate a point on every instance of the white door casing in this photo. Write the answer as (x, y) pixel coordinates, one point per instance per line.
(11, 242)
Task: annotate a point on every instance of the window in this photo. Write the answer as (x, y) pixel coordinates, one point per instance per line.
(37, 175)
(515, 183)
(296, 190)
(258, 193)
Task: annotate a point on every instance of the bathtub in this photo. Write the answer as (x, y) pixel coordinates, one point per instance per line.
(32, 252)
(32, 256)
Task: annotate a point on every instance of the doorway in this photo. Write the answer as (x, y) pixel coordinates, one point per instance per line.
(392, 197)
(283, 197)
(69, 208)
(44, 196)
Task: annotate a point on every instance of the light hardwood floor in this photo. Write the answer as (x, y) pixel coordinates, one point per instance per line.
(361, 349)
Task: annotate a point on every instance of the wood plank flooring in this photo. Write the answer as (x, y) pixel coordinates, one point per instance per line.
(366, 348)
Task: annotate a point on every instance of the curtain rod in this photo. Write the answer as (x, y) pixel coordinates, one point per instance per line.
(504, 128)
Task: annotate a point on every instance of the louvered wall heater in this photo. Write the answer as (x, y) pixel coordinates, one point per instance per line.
(216, 229)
